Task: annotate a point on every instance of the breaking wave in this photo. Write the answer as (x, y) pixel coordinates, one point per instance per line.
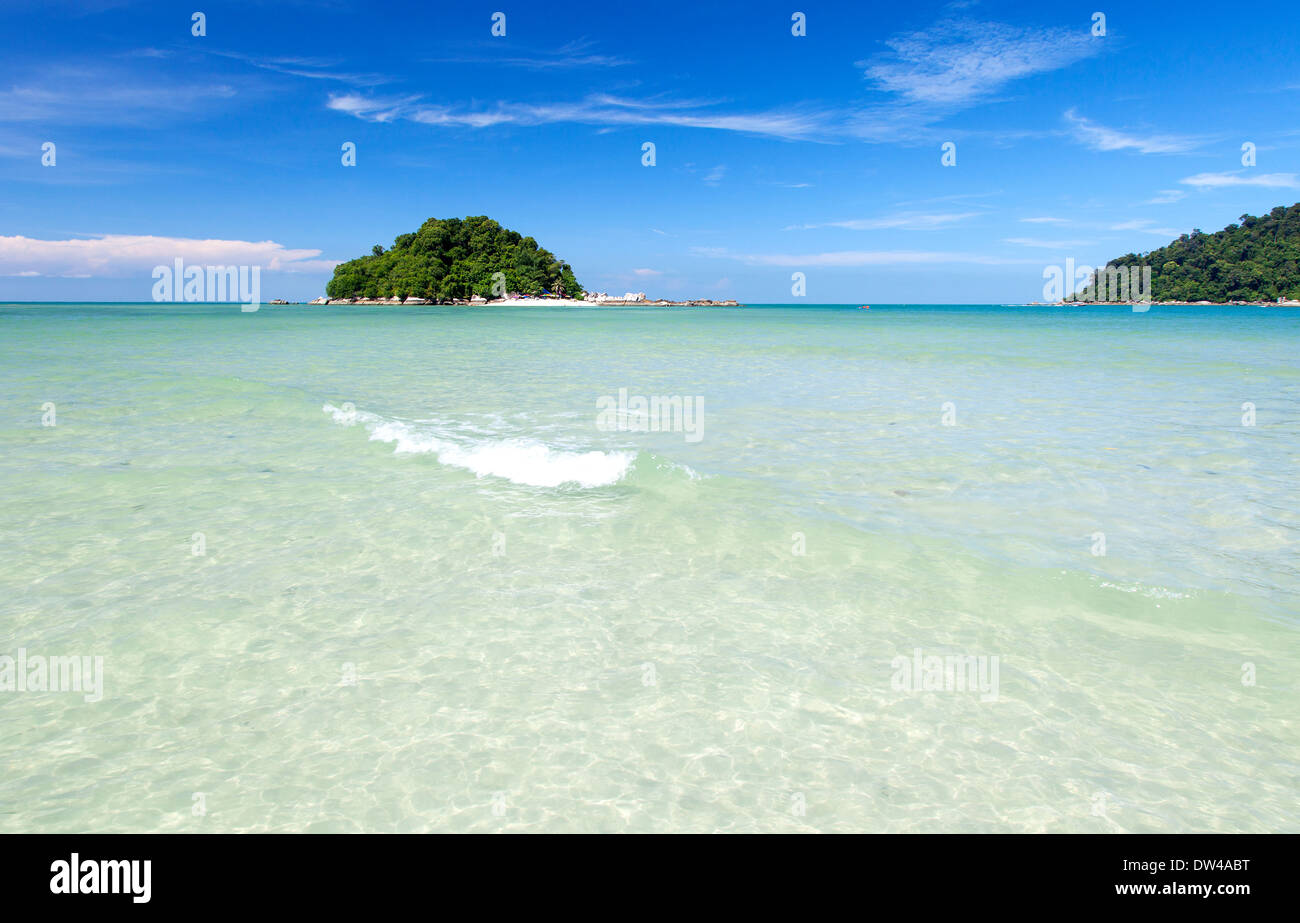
(520, 460)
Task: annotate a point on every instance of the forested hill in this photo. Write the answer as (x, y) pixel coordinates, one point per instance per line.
(451, 258)
(1256, 260)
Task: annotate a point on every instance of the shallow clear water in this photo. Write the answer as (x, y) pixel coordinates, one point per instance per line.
(557, 626)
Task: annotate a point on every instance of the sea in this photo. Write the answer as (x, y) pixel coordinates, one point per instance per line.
(773, 568)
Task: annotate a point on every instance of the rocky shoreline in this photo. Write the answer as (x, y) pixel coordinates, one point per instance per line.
(525, 302)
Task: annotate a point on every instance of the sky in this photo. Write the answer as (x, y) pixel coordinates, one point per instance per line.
(774, 153)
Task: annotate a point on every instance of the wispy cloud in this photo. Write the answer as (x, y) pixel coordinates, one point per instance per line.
(373, 108)
(956, 63)
(1145, 226)
(715, 176)
(1165, 197)
(951, 66)
(1047, 244)
(311, 68)
(850, 258)
(573, 55)
(962, 197)
(1045, 220)
(1100, 138)
(597, 109)
(103, 97)
(905, 222)
(125, 255)
(1270, 180)
(931, 74)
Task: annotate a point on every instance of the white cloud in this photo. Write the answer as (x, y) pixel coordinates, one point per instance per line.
(104, 97)
(932, 73)
(647, 272)
(906, 222)
(311, 68)
(599, 109)
(1046, 220)
(574, 54)
(371, 109)
(125, 255)
(1165, 197)
(849, 258)
(957, 63)
(1047, 244)
(1271, 180)
(1144, 225)
(1101, 138)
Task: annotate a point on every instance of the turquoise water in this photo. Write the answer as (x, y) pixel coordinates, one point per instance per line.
(433, 594)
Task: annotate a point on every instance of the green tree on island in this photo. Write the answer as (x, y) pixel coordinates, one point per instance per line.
(1256, 260)
(450, 258)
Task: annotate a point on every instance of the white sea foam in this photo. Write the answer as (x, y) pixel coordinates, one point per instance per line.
(523, 461)
(1152, 592)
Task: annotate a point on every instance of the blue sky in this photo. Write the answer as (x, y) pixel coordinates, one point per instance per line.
(775, 154)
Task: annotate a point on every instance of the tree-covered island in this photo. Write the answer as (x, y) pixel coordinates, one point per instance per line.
(1256, 260)
(451, 259)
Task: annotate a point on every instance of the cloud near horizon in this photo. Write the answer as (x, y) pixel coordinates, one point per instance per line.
(909, 221)
(1047, 244)
(850, 258)
(1270, 180)
(1165, 197)
(117, 255)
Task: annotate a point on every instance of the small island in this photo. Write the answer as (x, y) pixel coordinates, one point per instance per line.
(454, 259)
(471, 261)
